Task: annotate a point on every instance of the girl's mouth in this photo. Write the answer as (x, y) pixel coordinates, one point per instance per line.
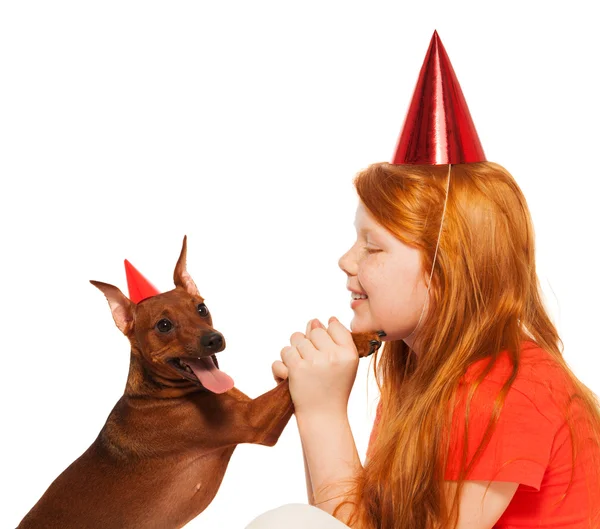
(356, 300)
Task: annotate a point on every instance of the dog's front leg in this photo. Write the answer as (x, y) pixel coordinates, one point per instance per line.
(270, 413)
(245, 420)
(232, 418)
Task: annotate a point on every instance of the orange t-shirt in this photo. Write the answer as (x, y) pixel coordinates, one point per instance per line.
(531, 444)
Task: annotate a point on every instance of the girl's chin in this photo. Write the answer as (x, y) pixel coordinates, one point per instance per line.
(359, 324)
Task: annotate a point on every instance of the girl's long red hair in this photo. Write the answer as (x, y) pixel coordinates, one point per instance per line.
(485, 298)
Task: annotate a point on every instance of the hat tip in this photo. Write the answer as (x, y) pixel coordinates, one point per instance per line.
(438, 128)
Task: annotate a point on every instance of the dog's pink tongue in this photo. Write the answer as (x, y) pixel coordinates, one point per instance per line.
(210, 376)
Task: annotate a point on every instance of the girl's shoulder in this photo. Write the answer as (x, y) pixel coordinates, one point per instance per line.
(535, 365)
(541, 379)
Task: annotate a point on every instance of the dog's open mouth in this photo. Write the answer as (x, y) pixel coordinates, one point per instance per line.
(204, 370)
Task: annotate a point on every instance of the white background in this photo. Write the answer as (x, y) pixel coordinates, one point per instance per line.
(126, 125)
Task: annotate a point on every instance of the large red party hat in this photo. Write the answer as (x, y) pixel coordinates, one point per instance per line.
(139, 287)
(438, 128)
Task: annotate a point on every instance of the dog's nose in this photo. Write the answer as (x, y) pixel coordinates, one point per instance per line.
(212, 341)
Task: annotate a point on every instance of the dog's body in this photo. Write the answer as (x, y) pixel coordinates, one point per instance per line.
(161, 456)
(158, 463)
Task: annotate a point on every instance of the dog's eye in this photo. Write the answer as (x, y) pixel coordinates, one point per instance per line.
(203, 310)
(164, 325)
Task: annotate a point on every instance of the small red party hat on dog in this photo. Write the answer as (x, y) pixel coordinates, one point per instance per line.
(139, 287)
(438, 128)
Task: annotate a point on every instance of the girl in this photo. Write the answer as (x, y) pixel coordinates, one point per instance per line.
(481, 423)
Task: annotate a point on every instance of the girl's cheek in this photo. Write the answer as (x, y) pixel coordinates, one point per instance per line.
(363, 280)
(368, 276)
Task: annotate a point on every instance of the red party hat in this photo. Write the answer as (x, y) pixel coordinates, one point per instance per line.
(139, 287)
(438, 128)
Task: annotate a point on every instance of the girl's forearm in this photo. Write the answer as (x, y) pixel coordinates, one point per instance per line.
(309, 489)
(331, 458)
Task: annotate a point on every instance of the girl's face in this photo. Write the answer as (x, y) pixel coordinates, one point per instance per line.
(389, 272)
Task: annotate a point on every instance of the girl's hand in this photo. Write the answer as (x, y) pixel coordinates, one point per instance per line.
(280, 370)
(321, 367)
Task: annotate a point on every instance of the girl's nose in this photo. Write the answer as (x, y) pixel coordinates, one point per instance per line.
(346, 264)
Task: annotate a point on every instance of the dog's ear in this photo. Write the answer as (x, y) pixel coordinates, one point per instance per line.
(181, 276)
(120, 306)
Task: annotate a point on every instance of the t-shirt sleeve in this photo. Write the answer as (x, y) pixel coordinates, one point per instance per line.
(520, 446)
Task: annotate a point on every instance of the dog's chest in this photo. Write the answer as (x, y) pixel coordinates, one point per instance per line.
(192, 483)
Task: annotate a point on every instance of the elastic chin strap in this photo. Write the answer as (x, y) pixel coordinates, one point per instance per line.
(435, 254)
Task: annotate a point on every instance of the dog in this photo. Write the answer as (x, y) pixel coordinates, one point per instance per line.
(161, 456)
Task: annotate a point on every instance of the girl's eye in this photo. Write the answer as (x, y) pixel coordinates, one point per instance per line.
(371, 250)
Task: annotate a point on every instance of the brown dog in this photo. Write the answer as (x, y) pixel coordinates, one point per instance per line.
(161, 456)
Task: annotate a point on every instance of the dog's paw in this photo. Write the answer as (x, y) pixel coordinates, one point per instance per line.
(367, 342)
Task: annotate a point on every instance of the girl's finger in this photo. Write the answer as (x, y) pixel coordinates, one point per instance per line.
(322, 341)
(296, 338)
(313, 324)
(339, 334)
(290, 356)
(280, 371)
(303, 346)
(306, 350)
(284, 351)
